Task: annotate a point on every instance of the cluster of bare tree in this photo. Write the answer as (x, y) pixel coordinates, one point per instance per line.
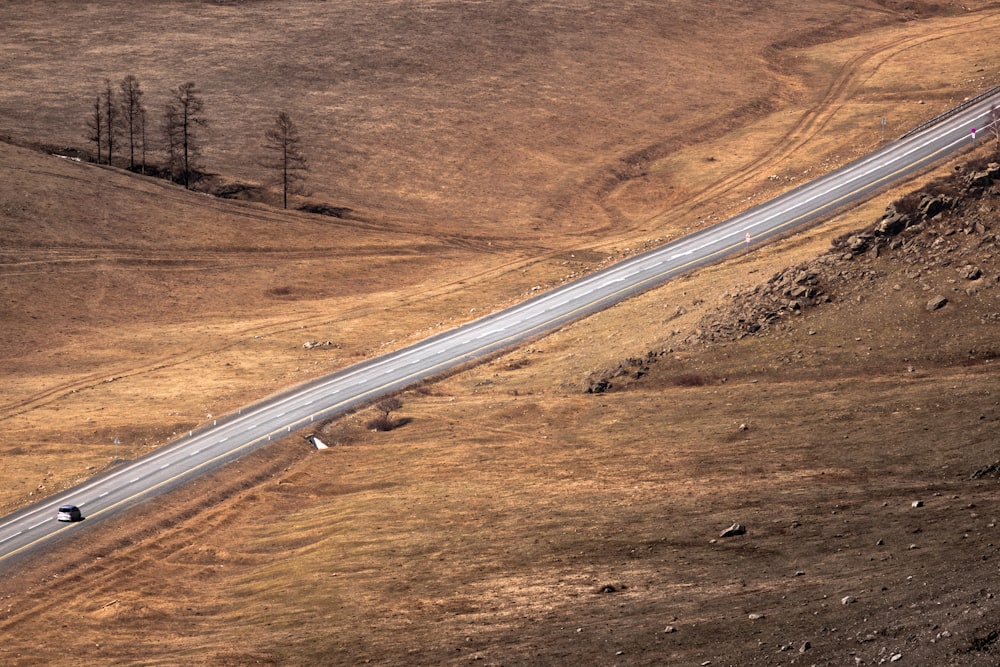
(118, 122)
(120, 117)
(115, 116)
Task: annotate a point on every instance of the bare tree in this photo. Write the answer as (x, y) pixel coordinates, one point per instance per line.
(387, 405)
(182, 117)
(111, 122)
(172, 143)
(383, 422)
(285, 157)
(132, 114)
(95, 127)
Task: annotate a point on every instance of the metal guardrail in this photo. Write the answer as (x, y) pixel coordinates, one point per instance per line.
(951, 112)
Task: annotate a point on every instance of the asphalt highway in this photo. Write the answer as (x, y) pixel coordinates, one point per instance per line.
(30, 529)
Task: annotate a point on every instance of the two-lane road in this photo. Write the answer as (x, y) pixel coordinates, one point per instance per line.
(256, 425)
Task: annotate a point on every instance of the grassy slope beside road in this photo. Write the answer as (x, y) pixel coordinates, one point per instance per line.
(516, 519)
(489, 524)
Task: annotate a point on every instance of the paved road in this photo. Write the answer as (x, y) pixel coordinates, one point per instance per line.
(25, 531)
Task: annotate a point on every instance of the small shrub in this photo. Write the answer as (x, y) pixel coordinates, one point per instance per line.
(424, 389)
(691, 380)
(323, 209)
(908, 204)
(383, 422)
(515, 364)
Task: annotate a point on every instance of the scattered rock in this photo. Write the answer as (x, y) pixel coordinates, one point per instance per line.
(755, 616)
(598, 385)
(734, 530)
(970, 272)
(892, 223)
(979, 179)
(932, 205)
(312, 344)
(992, 470)
(607, 588)
(858, 243)
(848, 599)
(632, 368)
(917, 503)
(981, 644)
(947, 224)
(937, 303)
(669, 630)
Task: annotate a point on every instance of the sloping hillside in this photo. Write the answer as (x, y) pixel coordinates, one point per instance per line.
(808, 394)
(504, 119)
(514, 518)
(133, 309)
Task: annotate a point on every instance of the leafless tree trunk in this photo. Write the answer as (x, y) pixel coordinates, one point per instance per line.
(95, 127)
(132, 111)
(171, 138)
(110, 120)
(182, 117)
(285, 157)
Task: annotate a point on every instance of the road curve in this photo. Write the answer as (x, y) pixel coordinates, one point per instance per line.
(34, 527)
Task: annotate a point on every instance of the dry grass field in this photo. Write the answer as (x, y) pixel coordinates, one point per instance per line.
(486, 149)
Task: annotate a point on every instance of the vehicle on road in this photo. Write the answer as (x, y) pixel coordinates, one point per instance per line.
(69, 513)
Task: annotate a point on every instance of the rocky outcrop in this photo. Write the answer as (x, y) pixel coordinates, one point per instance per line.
(981, 178)
(927, 227)
(788, 292)
(948, 223)
(632, 368)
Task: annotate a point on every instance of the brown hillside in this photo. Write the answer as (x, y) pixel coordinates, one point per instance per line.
(503, 118)
(516, 519)
(487, 151)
